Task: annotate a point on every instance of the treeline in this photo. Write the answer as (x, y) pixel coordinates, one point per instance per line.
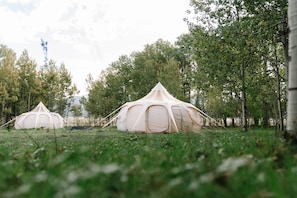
(23, 84)
(232, 63)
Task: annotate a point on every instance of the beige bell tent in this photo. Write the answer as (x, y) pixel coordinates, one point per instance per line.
(39, 117)
(157, 112)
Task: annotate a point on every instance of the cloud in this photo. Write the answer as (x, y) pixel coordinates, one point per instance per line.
(88, 35)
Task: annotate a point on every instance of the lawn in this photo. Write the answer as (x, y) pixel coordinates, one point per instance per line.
(110, 163)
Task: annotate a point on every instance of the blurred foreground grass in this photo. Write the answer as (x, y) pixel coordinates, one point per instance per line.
(110, 163)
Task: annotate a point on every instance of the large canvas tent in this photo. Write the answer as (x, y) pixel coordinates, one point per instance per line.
(159, 111)
(39, 117)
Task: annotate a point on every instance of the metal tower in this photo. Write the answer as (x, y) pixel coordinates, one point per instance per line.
(44, 47)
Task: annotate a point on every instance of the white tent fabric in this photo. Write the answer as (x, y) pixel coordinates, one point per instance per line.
(39, 117)
(157, 112)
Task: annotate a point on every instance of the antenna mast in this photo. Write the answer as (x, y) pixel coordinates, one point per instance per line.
(44, 47)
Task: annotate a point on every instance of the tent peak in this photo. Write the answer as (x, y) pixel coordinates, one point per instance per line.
(159, 86)
(159, 93)
(40, 108)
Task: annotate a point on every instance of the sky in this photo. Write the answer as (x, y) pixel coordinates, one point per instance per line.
(88, 35)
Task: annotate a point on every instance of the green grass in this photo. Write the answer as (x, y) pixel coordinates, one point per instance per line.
(110, 163)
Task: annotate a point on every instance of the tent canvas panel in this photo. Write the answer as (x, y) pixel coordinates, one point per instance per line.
(42, 121)
(57, 120)
(19, 121)
(157, 119)
(182, 118)
(121, 119)
(132, 117)
(196, 119)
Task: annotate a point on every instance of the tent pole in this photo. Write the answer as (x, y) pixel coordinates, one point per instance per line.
(207, 116)
(7, 123)
(110, 121)
(109, 115)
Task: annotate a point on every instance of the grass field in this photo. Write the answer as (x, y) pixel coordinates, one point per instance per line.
(110, 163)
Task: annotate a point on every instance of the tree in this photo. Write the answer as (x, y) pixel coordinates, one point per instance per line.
(245, 33)
(99, 103)
(132, 77)
(23, 86)
(9, 86)
(57, 88)
(194, 55)
(292, 84)
(185, 51)
(66, 89)
(77, 112)
(273, 30)
(28, 82)
(225, 59)
(156, 63)
(122, 69)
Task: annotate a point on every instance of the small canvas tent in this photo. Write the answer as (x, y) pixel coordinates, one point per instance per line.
(39, 117)
(157, 112)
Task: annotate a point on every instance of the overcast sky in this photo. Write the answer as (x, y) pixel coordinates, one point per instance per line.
(87, 35)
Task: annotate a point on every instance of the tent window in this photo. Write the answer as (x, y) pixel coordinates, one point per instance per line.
(157, 119)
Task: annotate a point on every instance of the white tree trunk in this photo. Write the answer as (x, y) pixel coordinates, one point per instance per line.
(292, 70)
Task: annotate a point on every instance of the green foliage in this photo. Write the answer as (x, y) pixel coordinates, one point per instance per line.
(23, 85)
(57, 88)
(9, 86)
(132, 77)
(156, 64)
(96, 99)
(29, 84)
(110, 163)
(240, 49)
(76, 110)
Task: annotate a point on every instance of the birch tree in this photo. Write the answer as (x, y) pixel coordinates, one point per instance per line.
(292, 80)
